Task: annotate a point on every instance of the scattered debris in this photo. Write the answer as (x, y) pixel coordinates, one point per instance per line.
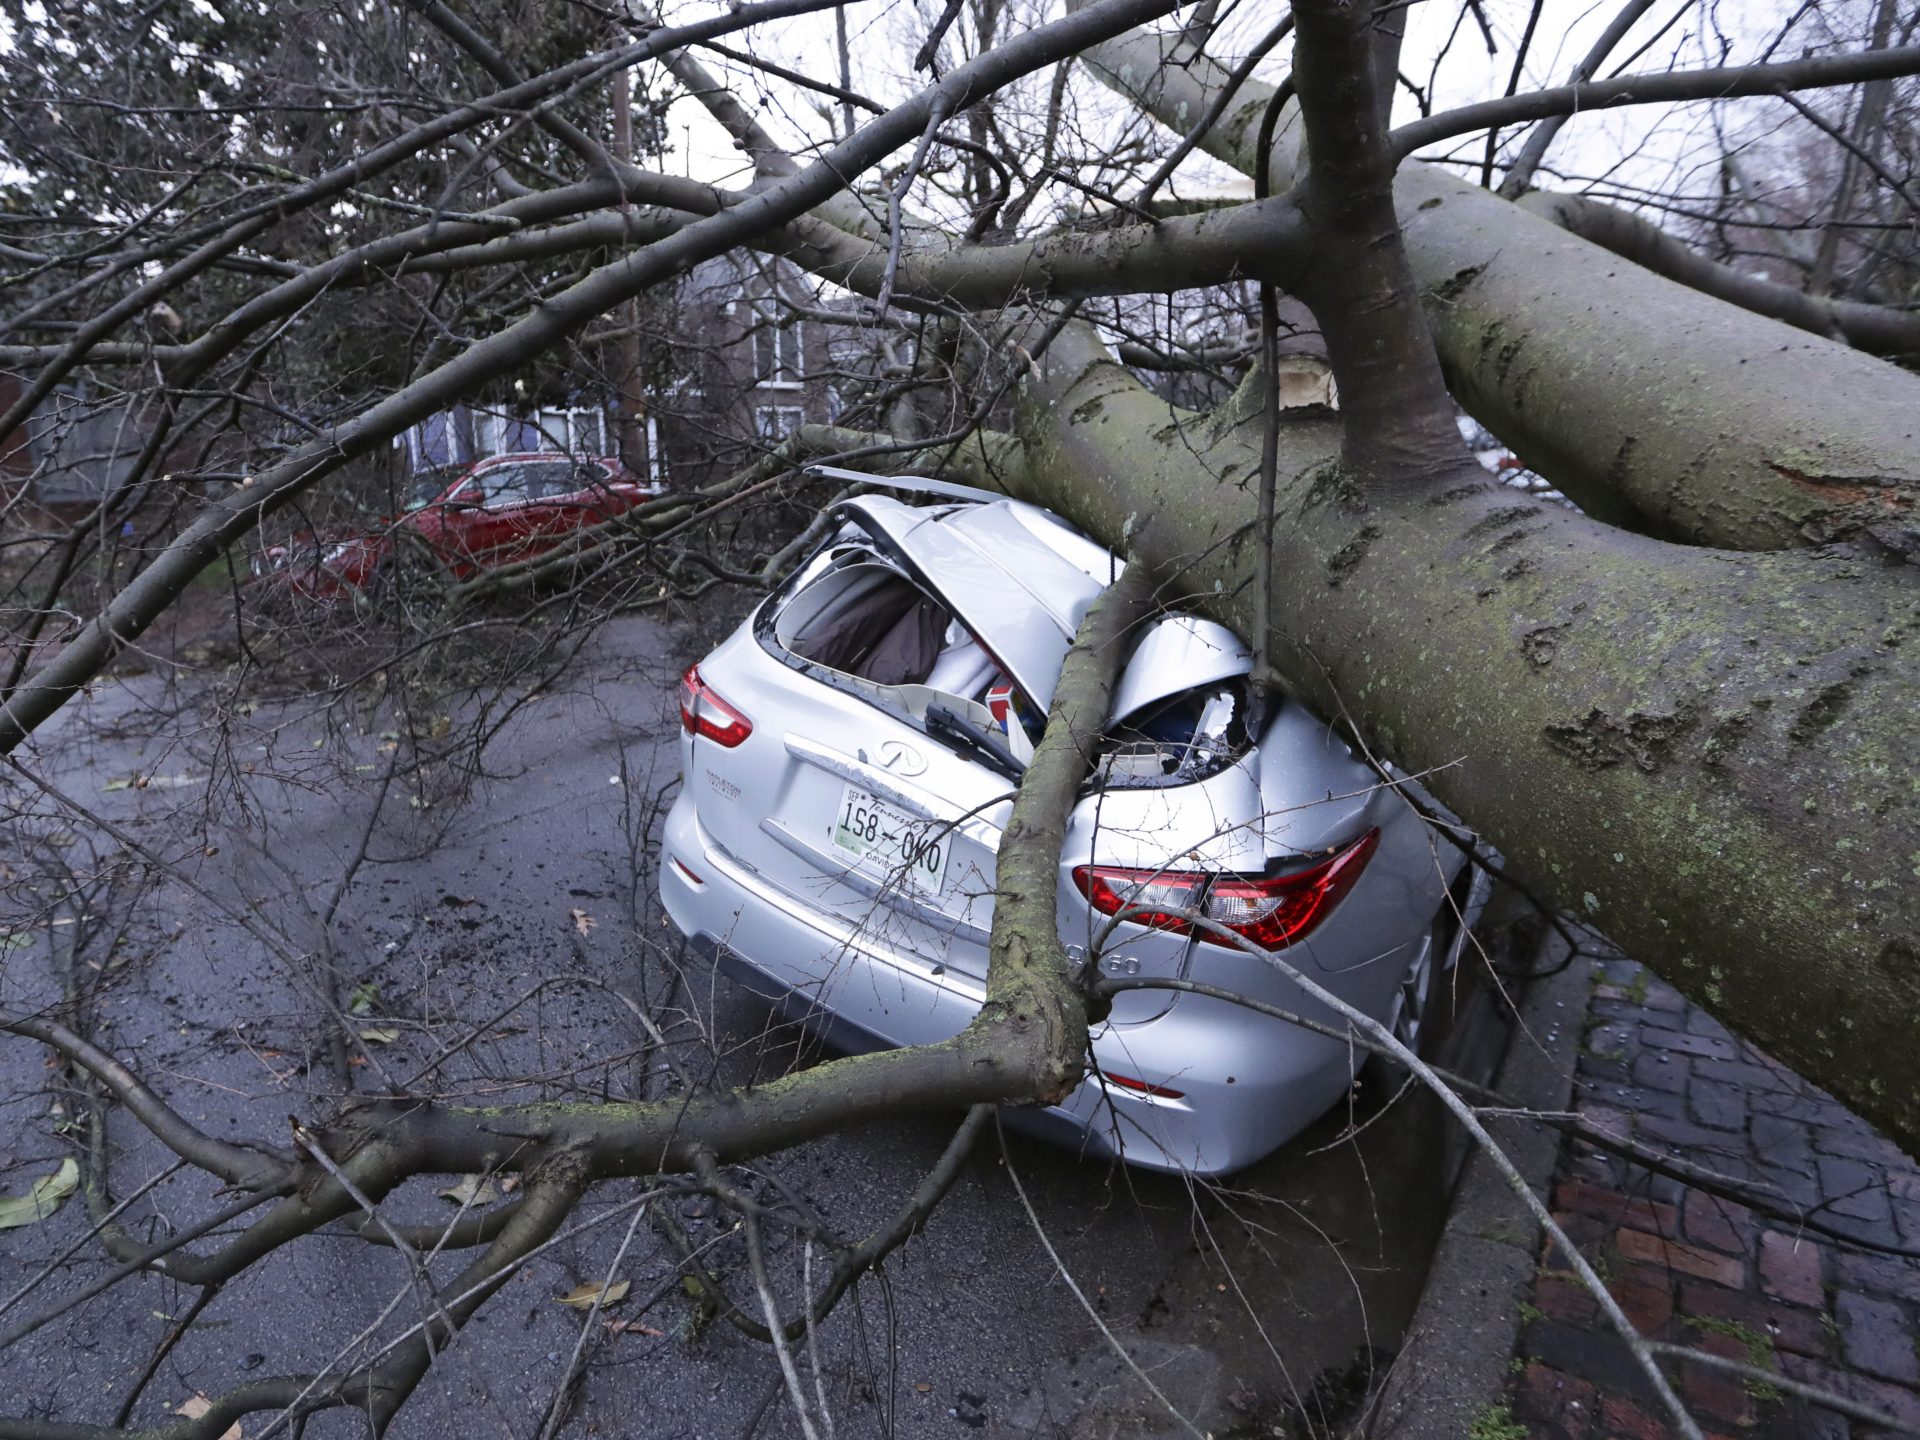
(582, 1297)
(196, 1407)
(471, 1190)
(42, 1199)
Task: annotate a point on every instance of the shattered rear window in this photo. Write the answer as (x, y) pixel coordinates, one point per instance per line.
(1186, 737)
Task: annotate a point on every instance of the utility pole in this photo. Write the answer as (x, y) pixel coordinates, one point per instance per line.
(630, 384)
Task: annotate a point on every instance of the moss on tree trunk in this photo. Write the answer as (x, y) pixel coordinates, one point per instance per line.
(1711, 756)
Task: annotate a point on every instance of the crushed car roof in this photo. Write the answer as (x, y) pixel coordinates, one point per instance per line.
(1003, 574)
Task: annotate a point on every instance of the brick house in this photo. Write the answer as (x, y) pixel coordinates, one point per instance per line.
(735, 360)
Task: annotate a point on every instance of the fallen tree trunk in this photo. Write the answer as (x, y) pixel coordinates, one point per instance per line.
(1709, 756)
(1653, 405)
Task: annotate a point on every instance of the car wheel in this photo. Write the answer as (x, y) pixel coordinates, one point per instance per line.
(411, 580)
(1406, 1019)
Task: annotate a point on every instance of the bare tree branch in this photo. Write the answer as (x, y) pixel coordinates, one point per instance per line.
(1720, 83)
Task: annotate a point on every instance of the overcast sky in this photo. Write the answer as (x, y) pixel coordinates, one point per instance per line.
(1632, 147)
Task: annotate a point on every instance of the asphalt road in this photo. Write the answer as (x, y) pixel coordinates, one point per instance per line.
(478, 894)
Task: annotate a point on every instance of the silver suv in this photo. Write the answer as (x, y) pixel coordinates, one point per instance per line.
(850, 755)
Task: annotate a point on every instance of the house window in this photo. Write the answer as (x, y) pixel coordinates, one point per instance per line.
(489, 433)
(778, 353)
(576, 431)
(777, 422)
(656, 455)
(442, 439)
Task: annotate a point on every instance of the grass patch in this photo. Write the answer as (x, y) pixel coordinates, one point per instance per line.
(222, 572)
(1496, 1422)
(1759, 1348)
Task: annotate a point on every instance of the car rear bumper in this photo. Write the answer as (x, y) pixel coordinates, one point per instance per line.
(1246, 1083)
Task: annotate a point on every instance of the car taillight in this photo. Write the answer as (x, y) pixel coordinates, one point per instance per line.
(703, 712)
(1158, 899)
(1273, 912)
(1127, 1082)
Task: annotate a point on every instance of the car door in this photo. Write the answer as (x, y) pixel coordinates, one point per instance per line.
(488, 517)
(563, 496)
(588, 492)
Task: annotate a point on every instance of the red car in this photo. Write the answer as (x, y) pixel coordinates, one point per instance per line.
(462, 520)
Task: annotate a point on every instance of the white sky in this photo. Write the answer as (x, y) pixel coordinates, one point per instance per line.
(1638, 146)
(1654, 147)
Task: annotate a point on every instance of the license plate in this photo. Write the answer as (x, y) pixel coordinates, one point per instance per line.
(908, 848)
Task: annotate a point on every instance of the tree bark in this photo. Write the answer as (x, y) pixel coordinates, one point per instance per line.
(1878, 329)
(1709, 756)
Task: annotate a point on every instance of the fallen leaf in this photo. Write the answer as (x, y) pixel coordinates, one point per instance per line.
(923, 1387)
(172, 782)
(197, 1406)
(581, 1297)
(582, 921)
(379, 1034)
(42, 1199)
(472, 1190)
(365, 996)
(618, 1326)
(441, 727)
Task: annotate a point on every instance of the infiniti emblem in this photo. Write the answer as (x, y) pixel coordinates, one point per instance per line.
(901, 758)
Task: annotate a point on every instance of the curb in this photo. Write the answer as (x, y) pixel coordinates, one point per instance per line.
(1453, 1365)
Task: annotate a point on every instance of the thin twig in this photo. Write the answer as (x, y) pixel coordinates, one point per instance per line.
(1073, 1287)
(557, 1411)
(756, 1262)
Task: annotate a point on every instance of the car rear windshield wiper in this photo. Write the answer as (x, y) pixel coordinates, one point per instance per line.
(943, 723)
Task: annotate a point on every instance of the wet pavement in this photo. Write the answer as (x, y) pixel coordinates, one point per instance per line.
(492, 908)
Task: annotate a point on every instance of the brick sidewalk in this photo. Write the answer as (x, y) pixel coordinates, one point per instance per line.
(1698, 1270)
